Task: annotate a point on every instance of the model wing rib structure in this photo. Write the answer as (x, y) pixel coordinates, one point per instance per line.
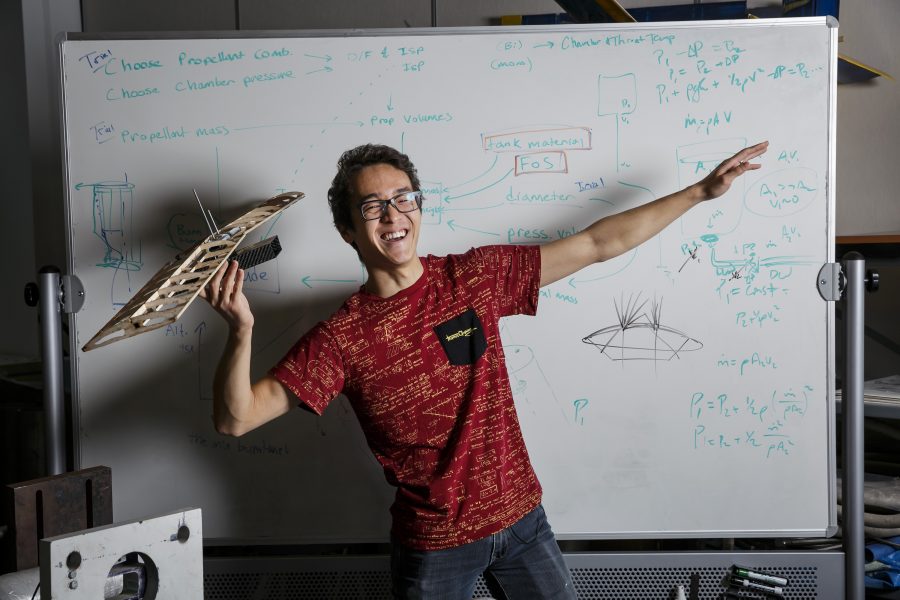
(171, 290)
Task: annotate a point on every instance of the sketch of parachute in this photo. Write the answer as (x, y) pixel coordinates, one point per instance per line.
(640, 334)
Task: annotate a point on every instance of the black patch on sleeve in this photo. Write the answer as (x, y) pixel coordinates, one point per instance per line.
(462, 338)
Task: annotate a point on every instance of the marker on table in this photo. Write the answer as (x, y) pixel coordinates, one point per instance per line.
(757, 576)
(756, 586)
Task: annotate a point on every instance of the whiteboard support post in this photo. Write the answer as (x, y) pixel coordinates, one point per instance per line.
(853, 415)
(55, 294)
(51, 358)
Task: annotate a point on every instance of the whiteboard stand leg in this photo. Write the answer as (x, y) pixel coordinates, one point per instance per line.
(55, 295)
(52, 361)
(853, 531)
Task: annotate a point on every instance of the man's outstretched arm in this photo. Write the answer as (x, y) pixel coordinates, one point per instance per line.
(616, 234)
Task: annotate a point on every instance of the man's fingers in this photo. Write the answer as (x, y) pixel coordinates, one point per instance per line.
(239, 287)
(230, 280)
(751, 152)
(741, 160)
(216, 282)
(221, 284)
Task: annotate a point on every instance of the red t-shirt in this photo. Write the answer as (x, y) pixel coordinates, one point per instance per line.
(425, 373)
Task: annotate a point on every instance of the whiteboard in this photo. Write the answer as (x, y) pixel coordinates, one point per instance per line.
(681, 390)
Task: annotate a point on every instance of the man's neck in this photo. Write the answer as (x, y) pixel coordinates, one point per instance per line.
(386, 283)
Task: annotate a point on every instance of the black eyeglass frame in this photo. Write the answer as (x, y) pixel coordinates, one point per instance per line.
(418, 197)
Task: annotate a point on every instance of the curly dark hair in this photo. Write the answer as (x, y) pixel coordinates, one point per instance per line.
(341, 193)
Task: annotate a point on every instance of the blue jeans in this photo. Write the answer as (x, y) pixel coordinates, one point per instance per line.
(522, 561)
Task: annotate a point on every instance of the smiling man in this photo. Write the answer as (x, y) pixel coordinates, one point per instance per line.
(417, 351)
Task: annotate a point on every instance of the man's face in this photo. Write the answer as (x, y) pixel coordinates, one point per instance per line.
(389, 242)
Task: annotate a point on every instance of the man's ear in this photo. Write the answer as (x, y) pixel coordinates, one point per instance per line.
(348, 237)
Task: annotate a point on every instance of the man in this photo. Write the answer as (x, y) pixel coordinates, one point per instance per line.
(417, 351)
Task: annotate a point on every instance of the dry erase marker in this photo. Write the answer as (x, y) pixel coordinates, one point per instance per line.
(757, 576)
(753, 585)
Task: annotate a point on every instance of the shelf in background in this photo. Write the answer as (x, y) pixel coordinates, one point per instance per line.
(884, 246)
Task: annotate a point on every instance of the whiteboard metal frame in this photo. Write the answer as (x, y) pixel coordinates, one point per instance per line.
(830, 22)
(830, 235)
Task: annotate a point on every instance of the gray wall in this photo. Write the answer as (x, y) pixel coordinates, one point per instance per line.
(868, 130)
(868, 161)
(17, 241)
(33, 232)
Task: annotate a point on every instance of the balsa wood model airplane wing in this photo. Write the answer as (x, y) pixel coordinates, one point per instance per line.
(168, 293)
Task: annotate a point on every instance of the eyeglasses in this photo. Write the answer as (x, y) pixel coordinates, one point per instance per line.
(404, 202)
